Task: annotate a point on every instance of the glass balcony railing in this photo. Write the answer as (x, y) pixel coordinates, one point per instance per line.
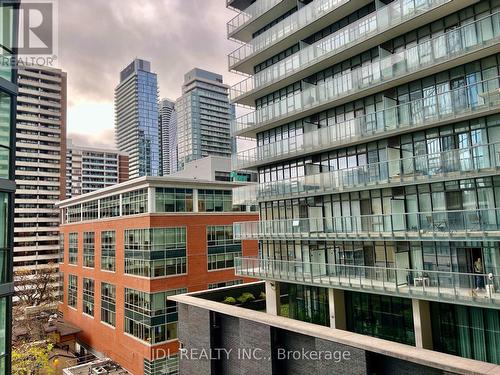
(452, 44)
(442, 286)
(296, 21)
(375, 23)
(475, 160)
(253, 11)
(466, 225)
(448, 104)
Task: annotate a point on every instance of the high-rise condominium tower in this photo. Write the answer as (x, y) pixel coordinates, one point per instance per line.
(203, 117)
(91, 168)
(378, 136)
(8, 91)
(168, 128)
(40, 166)
(136, 112)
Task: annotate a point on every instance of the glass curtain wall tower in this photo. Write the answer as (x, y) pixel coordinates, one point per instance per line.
(203, 117)
(377, 126)
(8, 93)
(136, 116)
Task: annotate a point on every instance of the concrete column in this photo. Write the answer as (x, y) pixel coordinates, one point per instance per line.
(336, 304)
(422, 324)
(273, 302)
(98, 208)
(121, 205)
(195, 200)
(151, 200)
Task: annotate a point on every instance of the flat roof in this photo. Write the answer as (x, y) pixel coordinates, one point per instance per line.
(151, 181)
(425, 357)
(106, 364)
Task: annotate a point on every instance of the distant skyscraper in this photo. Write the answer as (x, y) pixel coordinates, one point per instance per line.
(136, 111)
(203, 117)
(167, 129)
(40, 166)
(174, 149)
(89, 169)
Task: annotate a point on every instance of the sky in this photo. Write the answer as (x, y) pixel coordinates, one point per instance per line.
(98, 38)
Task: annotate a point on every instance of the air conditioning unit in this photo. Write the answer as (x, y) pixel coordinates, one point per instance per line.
(99, 371)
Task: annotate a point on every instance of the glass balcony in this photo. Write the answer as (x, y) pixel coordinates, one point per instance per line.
(443, 48)
(304, 16)
(359, 31)
(466, 225)
(476, 98)
(467, 162)
(253, 11)
(453, 287)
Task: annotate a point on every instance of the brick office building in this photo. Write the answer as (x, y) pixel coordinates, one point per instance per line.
(128, 247)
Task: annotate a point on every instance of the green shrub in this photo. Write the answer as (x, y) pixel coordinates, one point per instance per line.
(229, 300)
(246, 297)
(262, 295)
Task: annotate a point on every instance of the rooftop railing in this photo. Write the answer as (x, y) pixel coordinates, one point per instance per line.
(446, 47)
(373, 24)
(459, 225)
(477, 289)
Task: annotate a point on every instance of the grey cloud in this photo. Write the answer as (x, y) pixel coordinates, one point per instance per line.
(100, 37)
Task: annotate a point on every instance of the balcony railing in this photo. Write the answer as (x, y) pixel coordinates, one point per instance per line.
(304, 16)
(469, 161)
(375, 23)
(466, 225)
(453, 44)
(442, 286)
(434, 108)
(253, 11)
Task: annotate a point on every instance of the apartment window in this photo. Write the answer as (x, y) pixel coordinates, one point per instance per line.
(225, 283)
(89, 210)
(4, 238)
(215, 200)
(155, 252)
(151, 317)
(222, 248)
(174, 200)
(73, 248)
(108, 250)
(4, 306)
(72, 291)
(388, 318)
(108, 304)
(135, 202)
(60, 293)
(88, 249)
(88, 296)
(61, 248)
(74, 213)
(110, 206)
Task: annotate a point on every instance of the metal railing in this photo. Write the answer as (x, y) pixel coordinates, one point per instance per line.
(253, 11)
(296, 21)
(467, 161)
(375, 23)
(410, 283)
(454, 43)
(435, 107)
(465, 225)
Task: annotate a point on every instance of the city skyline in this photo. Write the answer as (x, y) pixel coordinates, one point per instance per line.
(90, 97)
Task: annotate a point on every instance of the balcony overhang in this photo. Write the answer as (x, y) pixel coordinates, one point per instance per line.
(412, 24)
(245, 32)
(467, 57)
(246, 65)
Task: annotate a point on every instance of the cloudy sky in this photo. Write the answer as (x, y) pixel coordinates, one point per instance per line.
(98, 38)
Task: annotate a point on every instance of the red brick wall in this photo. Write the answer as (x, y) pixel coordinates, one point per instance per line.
(124, 349)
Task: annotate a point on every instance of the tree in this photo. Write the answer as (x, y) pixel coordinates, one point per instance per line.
(32, 358)
(35, 299)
